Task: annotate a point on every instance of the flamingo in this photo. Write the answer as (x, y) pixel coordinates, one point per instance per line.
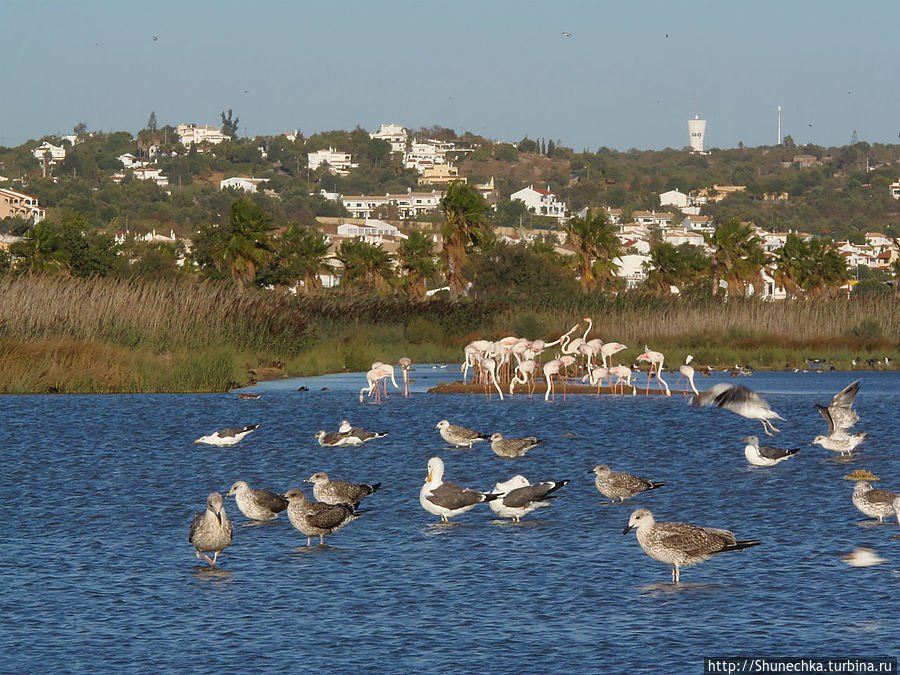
(686, 370)
(610, 348)
(489, 366)
(566, 361)
(596, 377)
(405, 365)
(473, 352)
(388, 372)
(550, 369)
(538, 346)
(623, 377)
(372, 378)
(574, 346)
(526, 370)
(655, 359)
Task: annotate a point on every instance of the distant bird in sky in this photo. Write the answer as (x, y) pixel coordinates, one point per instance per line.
(565, 34)
(154, 37)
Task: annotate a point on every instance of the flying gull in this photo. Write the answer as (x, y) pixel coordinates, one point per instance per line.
(257, 504)
(315, 518)
(458, 436)
(361, 434)
(874, 503)
(765, 455)
(679, 544)
(336, 439)
(740, 400)
(211, 532)
(228, 436)
(519, 498)
(330, 491)
(840, 417)
(448, 499)
(620, 486)
(512, 447)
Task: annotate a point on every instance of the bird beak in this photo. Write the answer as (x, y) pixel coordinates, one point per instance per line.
(197, 441)
(745, 439)
(590, 471)
(428, 480)
(627, 529)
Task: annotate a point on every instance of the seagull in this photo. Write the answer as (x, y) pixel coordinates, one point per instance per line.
(519, 498)
(512, 447)
(740, 400)
(361, 434)
(565, 34)
(679, 544)
(227, 436)
(765, 455)
(330, 491)
(257, 504)
(863, 557)
(620, 486)
(840, 417)
(459, 436)
(448, 499)
(211, 532)
(874, 503)
(336, 439)
(315, 518)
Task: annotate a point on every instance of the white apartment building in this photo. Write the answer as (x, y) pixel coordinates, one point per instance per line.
(372, 231)
(424, 155)
(652, 218)
(244, 183)
(150, 173)
(409, 204)
(338, 162)
(542, 202)
(393, 134)
(18, 204)
(189, 134)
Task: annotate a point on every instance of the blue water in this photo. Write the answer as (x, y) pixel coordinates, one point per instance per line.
(98, 491)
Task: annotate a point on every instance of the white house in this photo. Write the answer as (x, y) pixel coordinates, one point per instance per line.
(895, 190)
(393, 134)
(651, 218)
(697, 223)
(633, 268)
(129, 161)
(57, 152)
(677, 237)
(542, 202)
(338, 162)
(424, 155)
(190, 134)
(19, 204)
(673, 198)
(372, 231)
(150, 173)
(409, 204)
(244, 183)
(879, 241)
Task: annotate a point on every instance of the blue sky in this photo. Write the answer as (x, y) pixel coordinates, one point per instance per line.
(630, 76)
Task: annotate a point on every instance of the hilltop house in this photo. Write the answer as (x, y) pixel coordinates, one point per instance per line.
(393, 134)
(18, 204)
(57, 153)
(338, 163)
(409, 204)
(244, 183)
(190, 134)
(541, 202)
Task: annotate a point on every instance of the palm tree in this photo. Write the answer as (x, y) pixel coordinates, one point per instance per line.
(737, 256)
(43, 249)
(464, 209)
(789, 261)
(596, 248)
(365, 264)
(678, 266)
(416, 264)
(247, 242)
(304, 254)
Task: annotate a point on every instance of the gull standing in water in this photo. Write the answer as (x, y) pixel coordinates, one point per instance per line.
(257, 504)
(840, 417)
(874, 503)
(337, 491)
(679, 544)
(446, 499)
(620, 486)
(512, 447)
(519, 498)
(765, 455)
(211, 532)
(459, 437)
(315, 518)
(739, 400)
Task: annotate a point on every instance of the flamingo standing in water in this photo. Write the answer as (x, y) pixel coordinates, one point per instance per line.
(655, 359)
(610, 348)
(551, 368)
(405, 365)
(623, 377)
(387, 371)
(596, 377)
(372, 377)
(525, 369)
(686, 370)
(489, 367)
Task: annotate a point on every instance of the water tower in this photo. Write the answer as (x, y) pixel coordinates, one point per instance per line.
(697, 129)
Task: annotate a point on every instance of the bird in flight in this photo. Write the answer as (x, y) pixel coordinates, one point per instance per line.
(565, 34)
(154, 37)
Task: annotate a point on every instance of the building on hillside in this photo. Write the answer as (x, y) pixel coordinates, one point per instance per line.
(19, 205)
(541, 202)
(678, 236)
(338, 162)
(895, 189)
(653, 218)
(486, 189)
(673, 198)
(409, 204)
(879, 241)
(245, 183)
(393, 134)
(633, 268)
(189, 134)
(54, 154)
(694, 223)
(150, 173)
(441, 174)
(129, 161)
(717, 193)
(372, 231)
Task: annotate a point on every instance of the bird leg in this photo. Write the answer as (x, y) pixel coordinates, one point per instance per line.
(675, 574)
(321, 540)
(308, 542)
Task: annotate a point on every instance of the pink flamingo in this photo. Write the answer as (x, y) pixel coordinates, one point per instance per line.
(565, 361)
(387, 371)
(405, 365)
(655, 359)
(596, 377)
(686, 370)
(623, 377)
(526, 370)
(489, 366)
(550, 369)
(610, 348)
(372, 378)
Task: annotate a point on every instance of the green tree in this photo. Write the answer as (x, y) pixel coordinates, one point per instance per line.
(596, 247)
(737, 256)
(680, 266)
(365, 265)
(529, 274)
(464, 210)
(303, 254)
(229, 124)
(416, 264)
(42, 252)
